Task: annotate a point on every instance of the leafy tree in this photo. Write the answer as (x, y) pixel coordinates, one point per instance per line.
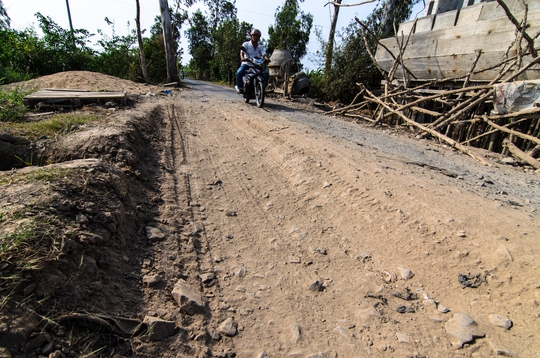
(200, 46)
(59, 52)
(229, 37)
(5, 21)
(21, 55)
(291, 29)
(118, 57)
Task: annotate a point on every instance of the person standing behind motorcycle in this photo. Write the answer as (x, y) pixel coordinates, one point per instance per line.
(253, 50)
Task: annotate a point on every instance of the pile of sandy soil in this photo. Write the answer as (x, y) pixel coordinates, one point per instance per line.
(85, 80)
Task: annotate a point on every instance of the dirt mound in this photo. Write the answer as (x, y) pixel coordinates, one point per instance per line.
(85, 80)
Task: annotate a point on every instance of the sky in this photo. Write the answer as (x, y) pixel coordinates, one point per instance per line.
(90, 15)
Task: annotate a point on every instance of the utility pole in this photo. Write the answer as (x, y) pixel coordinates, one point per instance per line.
(70, 23)
(172, 71)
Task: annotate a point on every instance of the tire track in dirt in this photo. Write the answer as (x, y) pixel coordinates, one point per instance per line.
(282, 205)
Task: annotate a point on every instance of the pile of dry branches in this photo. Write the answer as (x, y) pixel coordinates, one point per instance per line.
(461, 117)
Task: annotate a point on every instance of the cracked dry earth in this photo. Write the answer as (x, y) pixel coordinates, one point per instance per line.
(302, 244)
(271, 237)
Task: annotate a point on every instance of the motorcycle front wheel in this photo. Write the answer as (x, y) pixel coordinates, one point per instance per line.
(259, 93)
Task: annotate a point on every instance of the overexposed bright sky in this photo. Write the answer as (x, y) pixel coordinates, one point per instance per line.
(90, 15)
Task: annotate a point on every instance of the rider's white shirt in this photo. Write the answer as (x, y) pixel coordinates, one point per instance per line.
(252, 51)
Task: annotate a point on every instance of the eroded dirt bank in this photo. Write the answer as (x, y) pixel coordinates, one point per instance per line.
(288, 241)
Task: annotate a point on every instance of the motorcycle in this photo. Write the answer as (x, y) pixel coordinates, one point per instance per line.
(254, 81)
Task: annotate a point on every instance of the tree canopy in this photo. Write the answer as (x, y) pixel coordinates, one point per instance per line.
(4, 18)
(213, 38)
(291, 29)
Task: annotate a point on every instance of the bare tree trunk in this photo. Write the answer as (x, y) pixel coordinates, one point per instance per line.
(172, 71)
(388, 15)
(141, 48)
(331, 35)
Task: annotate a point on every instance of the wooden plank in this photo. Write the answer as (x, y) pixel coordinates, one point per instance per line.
(449, 51)
(71, 98)
(469, 15)
(445, 21)
(46, 94)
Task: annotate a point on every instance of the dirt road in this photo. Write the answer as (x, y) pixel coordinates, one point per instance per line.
(309, 236)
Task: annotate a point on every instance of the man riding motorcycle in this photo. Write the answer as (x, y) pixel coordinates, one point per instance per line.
(253, 49)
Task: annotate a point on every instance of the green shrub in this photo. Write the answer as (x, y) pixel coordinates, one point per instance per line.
(12, 108)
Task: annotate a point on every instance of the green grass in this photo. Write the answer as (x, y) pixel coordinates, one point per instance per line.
(58, 125)
(12, 108)
(28, 244)
(45, 174)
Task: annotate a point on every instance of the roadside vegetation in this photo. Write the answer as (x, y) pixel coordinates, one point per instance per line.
(53, 127)
(214, 39)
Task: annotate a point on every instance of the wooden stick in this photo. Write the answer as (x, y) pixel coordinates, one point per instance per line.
(518, 26)
(426, 111)
(434, 133)
(518, 153)
(493, 130)
(366, 118)
(379, 43)
(346, 108)
(373, 57)
(509, 131)
(460, 109)
(469, 74)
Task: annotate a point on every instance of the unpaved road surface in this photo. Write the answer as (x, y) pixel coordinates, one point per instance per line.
(309, 236)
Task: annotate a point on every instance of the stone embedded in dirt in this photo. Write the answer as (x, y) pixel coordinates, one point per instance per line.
(389, 277)
(461, 234)
(500, 351)
(321, 251)
(216, 336)
(240, 272)
(228, 327)
(402, 337)
(316, 286)
(464, 329)
(295, 260)
(154, 234)
(407, 295)
(500, 321)
(296, 333)
(159, 329)
(405, 309)
(442, 309)
(472, 281)
(430, 302)
(343, 333)
(263, 355)
(82, 219)
(151, 280)
(207, 277)
(405, 273)
(188, 298)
